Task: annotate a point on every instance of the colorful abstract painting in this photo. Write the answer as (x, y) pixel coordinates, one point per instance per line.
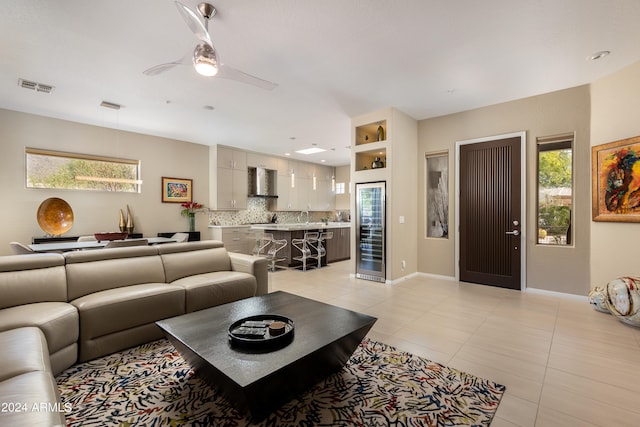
(176, 190)
(616, 181)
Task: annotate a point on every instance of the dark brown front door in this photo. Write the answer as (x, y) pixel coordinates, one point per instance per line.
(490, 214)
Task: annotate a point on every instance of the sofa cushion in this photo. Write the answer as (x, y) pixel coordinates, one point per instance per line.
(23, 350)
(211, 289)
(57, 320)
(36, 393)
(33, 278)
(188, 259)
(97, 270)
(114, 310)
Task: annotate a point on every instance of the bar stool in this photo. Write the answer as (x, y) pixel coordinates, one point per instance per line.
(305, 245)
(263, 240)
(272, 254)
(320, 247)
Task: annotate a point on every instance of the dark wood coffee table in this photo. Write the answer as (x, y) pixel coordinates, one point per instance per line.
(260, 381)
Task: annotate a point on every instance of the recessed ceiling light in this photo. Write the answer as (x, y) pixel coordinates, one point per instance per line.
(313, 150)
(599, 55)
(323, 161)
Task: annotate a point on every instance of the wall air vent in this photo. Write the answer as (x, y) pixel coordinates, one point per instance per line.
(38, 87)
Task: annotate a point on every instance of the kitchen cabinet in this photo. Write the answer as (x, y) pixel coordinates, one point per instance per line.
(312, 190)
(240, 239)
(257, 160)
(230, 158)
(339, 247)
(322, 193)
(229, 182)
(283, 188)
(232, 189)
(293, 186)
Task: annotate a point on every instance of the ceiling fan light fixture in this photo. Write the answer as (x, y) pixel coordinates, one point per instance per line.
(205, 60)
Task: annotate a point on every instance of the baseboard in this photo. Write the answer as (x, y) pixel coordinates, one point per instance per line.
(557, 294)
(420, 274)
(402, 279)
(453, 279)
(437, 276)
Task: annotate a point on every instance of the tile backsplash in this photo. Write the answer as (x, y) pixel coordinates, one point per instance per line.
(258, 212)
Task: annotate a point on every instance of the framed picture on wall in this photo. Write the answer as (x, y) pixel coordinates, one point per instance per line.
(177, 190)
(437, 186)
(615, 182)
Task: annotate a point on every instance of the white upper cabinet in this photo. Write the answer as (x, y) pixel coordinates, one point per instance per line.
(257, 160)
(230, 158)
(301, 186)
(228, 186)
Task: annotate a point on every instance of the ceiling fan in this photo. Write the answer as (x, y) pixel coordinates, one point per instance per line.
(205, 58)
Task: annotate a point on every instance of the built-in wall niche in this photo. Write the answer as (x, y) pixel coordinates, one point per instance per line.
(372, 132)
(374, 159)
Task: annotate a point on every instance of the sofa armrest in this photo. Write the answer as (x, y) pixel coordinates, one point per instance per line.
(252, 265)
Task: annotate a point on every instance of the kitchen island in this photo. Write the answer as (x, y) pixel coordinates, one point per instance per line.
(338, 247)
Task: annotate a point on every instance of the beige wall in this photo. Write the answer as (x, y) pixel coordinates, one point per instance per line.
(401, 201)
(614, 116)
(343, 174)
(95, 211)
(561, 269)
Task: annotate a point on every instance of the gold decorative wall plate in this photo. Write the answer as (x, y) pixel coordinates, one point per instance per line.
(55, 216)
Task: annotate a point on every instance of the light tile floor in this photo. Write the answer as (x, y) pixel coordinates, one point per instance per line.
(564, 364)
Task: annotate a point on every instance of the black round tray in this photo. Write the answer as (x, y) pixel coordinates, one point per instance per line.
(259, 336)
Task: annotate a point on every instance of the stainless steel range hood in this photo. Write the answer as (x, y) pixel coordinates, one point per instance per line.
(262, 183)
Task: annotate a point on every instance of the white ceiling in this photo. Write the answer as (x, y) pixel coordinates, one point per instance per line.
(332, 60)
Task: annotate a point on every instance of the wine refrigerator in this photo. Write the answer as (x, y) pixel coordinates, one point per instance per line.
(370, 231)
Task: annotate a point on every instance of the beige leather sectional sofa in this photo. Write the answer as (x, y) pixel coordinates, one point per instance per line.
(60, 309)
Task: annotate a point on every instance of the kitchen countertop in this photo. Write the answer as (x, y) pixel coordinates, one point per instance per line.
(301, 226)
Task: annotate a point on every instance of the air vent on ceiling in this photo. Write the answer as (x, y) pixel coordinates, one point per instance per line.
(112, 105)
(38, 87)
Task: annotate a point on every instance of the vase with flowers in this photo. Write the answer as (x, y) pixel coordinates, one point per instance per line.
(190, 209)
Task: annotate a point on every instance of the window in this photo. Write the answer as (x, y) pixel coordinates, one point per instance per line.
(339, 187)
(54, 169)
(555, 189)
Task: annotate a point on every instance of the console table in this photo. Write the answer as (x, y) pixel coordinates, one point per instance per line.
(56, 239)
(194, 236)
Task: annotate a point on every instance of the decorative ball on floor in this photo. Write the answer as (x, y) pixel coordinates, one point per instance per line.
(620, 297)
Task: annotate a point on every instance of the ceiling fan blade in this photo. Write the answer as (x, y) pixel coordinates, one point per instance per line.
(227, 72)
(195, 24)
(161, 68)
(158, 69)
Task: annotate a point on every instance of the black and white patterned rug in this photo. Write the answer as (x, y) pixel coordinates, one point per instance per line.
(152, 385)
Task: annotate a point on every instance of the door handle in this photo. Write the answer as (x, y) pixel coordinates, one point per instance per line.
(514, 232)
